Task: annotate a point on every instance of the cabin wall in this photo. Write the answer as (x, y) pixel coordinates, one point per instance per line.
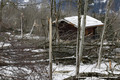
(69, 31)
(90, 31)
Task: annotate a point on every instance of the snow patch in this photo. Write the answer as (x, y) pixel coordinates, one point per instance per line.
(8, 33)
(100, 1)
(26, 0)
(38, 50)
(35, 50)
(61, 72)
(104, 1)
(28, 36)
(2, 44)
(117, 50)
(93, 78)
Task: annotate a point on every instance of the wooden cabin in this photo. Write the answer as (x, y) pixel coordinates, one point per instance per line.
(68, 27)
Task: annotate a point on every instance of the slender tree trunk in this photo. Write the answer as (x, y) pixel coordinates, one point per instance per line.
(21, 27)
(50, 49)
(31, 30)
(57, 18)
(34, 25)
(78, 38)
(0, 15)
(50, 42)
(82, 32)
(104, 28)
(1, 8)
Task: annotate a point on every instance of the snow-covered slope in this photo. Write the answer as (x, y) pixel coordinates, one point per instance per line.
(100, 6)
(101, 1)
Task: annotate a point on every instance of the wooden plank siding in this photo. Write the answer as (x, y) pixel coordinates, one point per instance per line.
(69, 31)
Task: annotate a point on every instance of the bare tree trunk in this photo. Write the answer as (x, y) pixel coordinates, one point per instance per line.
(50, 42)
(34, 24)
(57, 18)
(78, 38)
(82, 32)
(31, 30)
(1, 8)
(50, 49)
(21, 25)
(104, 28)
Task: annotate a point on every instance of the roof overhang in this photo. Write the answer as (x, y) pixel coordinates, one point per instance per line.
(90, 21)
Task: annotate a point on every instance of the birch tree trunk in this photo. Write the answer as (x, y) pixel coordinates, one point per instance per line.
(82, 32)
(21, 25)
(31, 30)
(78, 38)
(103, 33)
(50, 49)
(34, 25)
(50, 42)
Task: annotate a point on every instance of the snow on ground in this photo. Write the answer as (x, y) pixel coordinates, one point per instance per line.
(61, 72)
(9, 71)
(38, 50)
(8, 33)
(93, 78)
(35, 50)
(117, 50)
(2, 44)
(28, 36)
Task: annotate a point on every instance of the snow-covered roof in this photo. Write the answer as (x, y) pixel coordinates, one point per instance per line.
(90, 21)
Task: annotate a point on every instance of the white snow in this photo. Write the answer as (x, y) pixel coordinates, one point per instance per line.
(8, 33)
(27, 50)
(93, 78)
(101, 1)
(26, 0)
(117, 50)
(28, 36)
(38, 50)
(61, 72)
(9, 71)
(100, 10)
(92, 4)
(90, 21)
(2, 44)
(35, 50)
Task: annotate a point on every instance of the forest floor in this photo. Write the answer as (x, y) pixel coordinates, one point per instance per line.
(26, 55)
